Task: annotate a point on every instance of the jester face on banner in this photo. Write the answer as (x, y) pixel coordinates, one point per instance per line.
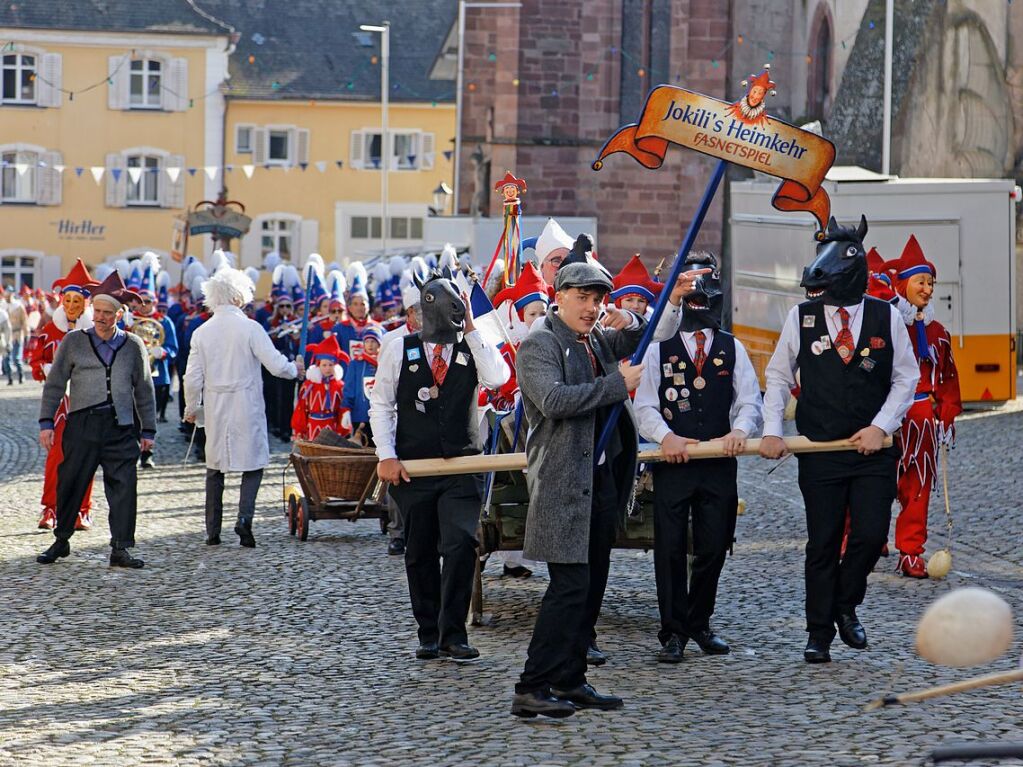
(442, 308)
(838, 276)
(703, 307)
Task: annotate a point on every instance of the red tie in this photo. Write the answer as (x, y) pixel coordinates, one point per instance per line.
(844, 342)
(584, 339)
(701, 355)
(439, 366)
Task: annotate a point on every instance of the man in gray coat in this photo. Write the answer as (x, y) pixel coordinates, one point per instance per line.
(570, 378)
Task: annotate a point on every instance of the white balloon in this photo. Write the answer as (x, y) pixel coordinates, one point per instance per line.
(966, 627)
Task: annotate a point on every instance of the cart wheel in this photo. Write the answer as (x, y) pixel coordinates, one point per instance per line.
(303, 519)
(292, 514)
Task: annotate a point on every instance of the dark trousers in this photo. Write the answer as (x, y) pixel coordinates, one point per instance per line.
(571, 605)
(215, 499)
(284, 406)
(832, 483)
(181, 395)
(162, 398)
(93, 439)
(441, 516)
(706, 493)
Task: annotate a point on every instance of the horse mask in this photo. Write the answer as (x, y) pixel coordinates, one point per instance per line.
(442, 309)
(838, 275)
(702, 308)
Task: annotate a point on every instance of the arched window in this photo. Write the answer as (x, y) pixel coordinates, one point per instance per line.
(818, 93)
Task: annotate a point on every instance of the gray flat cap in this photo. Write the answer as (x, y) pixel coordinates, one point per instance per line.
(579, 275)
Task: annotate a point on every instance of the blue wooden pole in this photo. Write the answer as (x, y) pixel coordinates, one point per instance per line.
(305, 313)
(662, 301)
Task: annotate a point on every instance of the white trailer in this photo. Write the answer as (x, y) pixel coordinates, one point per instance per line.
(966, 227)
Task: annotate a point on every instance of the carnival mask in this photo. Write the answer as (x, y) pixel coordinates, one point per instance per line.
(443, 311)
(838, 275)
(73, 303)
(703, 307)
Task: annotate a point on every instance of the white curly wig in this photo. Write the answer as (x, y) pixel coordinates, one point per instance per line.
(228, 287)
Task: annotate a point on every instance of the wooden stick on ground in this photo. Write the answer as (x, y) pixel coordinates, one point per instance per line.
(988, 680)
(476, 464)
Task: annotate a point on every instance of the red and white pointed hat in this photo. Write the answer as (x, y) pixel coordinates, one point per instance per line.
(78, 280)
(529, 287)
(634, 279)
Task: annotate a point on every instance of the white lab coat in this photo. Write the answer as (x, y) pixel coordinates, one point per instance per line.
(223, 377)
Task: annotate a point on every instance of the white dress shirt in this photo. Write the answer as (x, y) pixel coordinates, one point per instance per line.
(780, 371)
(383, 405)
(744, 413)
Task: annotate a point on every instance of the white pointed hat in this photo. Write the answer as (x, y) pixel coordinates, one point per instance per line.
(551, 238)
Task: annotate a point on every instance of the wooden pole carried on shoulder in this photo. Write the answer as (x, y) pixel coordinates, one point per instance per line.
(476, 464)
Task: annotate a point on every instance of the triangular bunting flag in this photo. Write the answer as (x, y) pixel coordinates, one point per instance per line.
(79, 172)
(173, 174)
(412, 160)
(228, 168)
(339, 163)
(115, 172)
(321, 165)
(303, 165)
(211, 172)
(21, 167)
(448, 154)
(133, 173)
(191, 171)
(97, 172)
(248, 170)
(286, 168)
(59, 168)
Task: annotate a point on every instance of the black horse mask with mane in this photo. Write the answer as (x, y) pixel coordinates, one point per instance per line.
(838, 275)
(442, 309)
(702, 308)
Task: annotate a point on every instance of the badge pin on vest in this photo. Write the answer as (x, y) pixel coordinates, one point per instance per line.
(461, 358)
(684, 393)
(865, 351)
(667, 370)
(671, 395)
(684, 406)
(423, 394)
(414, 367)
(817, 348)
(809, 321)
(673, 359)
(412, 355)
(667, 414)
(678, 379)
(718, 361)
(434, 392)
(699, 382)
(825, 341)
(420, 407)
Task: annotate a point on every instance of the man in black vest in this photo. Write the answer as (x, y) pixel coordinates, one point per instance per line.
(698, 385)
(857, 379)
(423, 405)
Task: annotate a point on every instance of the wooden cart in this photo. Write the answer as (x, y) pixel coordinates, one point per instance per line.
(335, 483)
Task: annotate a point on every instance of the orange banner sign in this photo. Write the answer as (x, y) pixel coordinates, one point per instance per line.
(741, 133)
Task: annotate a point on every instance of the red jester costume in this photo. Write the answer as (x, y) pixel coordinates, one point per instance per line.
(319, 401)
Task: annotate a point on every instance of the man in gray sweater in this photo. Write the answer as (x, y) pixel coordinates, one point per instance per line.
(109, 375)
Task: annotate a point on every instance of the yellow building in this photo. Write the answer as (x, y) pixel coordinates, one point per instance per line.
(116, 122)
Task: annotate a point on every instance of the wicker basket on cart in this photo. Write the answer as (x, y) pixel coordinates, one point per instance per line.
(347, 477)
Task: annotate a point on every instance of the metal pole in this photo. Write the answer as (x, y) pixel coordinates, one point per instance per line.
(385, 149)
(458, 106)
(886, 138)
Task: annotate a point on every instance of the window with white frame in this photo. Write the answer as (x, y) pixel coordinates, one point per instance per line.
(19, 78)
(277, 235)
(16, 271)
(143, 184)
(145, 87)
(19, 176)
(243, 139)
(408, 149)
(279, 147)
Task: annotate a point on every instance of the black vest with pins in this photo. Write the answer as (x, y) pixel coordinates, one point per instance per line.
(444, 427)
(836, 399)
(697, 413)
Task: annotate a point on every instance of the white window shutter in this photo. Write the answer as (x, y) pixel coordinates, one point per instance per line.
(426, 149)
(117, 188)
(48, 86)
(358, 150)
(260, 145)
(49, 179)
(118, 73)
(175, 94)
(302, 141)
(173, 192)
(308, 238)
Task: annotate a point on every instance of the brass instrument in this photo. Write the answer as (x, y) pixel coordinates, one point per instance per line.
(152, 335)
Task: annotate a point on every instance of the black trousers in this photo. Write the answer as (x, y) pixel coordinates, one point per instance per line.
(571, 605)
(441, 517)
(706, 492)
(181, 395)
(162, 398)
(832, 483)
(215, 498)
(284, 407)
(93, 439)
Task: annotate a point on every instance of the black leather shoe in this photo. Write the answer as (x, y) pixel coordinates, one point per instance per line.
(58, 549)
(584, 696)
(121, 558)
(460, 652)
(540, 703)
(396, 547)
(673, 651)
(517, 572)
(147, 461)
(711, 643)
(851, 631)
(594, 655)
(817, 651)
(213, 540)
(428, 651)
(245, 536)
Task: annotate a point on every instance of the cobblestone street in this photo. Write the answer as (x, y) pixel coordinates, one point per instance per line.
(302, 653)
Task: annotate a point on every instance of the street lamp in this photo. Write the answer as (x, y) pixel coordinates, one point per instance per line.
(385, 156)
(462, 5)
(440, 198)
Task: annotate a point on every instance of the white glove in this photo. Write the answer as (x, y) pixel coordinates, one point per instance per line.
(346, 420)
(157, 353)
